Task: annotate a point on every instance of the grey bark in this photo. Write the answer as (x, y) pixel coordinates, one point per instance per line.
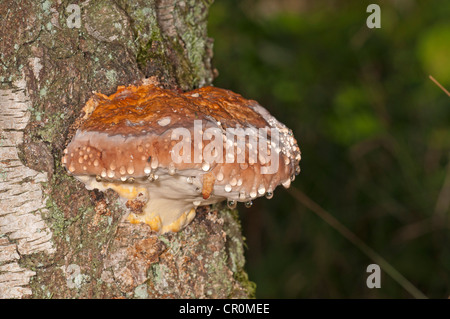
(58, 240)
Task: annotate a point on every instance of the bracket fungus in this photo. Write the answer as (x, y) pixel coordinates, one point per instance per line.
(166, 153)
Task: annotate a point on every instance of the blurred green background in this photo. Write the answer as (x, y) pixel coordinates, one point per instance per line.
(374, 133)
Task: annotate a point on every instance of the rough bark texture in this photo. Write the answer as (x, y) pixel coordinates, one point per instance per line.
(57, 239)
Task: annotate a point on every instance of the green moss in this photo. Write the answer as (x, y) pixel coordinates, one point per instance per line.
(54, 126)
(46, 6)
(111, 76)
(194, 44)
(157, 271)
(246, 284)
(151, 54)
(236, 250)
(58, 222)
(43, 92)
(140, 292)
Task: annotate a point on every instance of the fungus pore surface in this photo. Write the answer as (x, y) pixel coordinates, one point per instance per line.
(166, 153)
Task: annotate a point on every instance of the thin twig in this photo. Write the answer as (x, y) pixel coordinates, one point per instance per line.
(369, 252)
(439, 84)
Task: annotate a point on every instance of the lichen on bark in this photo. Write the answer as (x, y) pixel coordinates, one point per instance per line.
(96, 254)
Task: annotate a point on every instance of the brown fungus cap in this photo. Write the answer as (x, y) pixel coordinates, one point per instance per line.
(170, 152)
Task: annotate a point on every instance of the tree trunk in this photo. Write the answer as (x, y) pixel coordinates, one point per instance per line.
(57, 239)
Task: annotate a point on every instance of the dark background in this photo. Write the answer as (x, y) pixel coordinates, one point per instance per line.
(374, 133)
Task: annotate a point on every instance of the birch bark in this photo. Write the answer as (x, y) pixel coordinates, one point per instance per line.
(58, 240)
